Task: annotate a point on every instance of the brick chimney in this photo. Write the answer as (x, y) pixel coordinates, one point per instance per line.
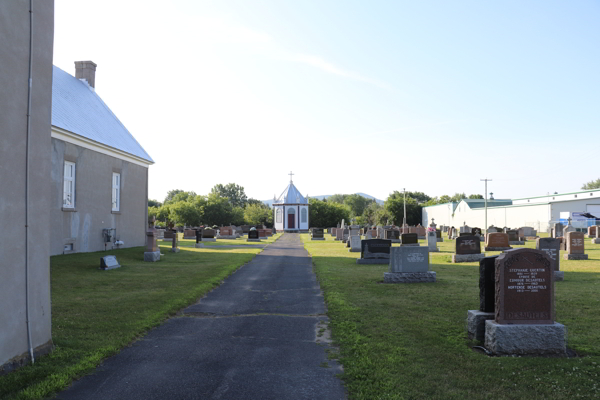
(86, 70)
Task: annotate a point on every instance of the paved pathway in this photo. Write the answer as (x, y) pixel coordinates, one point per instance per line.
(253, 337)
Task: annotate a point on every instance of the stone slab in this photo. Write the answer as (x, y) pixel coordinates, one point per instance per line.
(409, 277)
(497, 248)
(167, 240)
(152, 256)
(209, 239)
(222, 237)
(432, 250)
(460, 258)
(174, 249)
(252, 240)
(199, 245)
(317, 238)
(373, 261)
(559, 276)
(517, 243)
(575, 257)
(476, 324)
(408, 245)
(440, 240)
(409, 259)
(522, 339)
(596, 241)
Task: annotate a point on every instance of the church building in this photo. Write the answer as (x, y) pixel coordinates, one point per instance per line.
(291, 210)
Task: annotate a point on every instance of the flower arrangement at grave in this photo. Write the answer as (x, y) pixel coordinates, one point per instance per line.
(430, 229)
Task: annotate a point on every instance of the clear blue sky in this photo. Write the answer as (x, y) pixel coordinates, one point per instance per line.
(352, 96)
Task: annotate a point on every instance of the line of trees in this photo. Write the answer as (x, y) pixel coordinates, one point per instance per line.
(224, 205)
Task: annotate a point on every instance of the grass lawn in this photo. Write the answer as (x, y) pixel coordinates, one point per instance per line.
(409, 341)
(96, 313)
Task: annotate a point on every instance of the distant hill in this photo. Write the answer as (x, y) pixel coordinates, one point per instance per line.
(325, 196)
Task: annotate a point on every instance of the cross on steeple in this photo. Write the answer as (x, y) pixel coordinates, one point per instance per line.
(290, 174)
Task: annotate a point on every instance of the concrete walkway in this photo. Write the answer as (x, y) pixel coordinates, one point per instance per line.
(254, 337)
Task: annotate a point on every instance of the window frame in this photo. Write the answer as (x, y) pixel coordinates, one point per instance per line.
(71, 179)
(116, 192)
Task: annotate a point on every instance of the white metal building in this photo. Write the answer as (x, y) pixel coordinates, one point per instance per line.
(291, 210)
(539, 212)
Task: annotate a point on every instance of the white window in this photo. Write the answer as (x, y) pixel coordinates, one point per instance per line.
(69, 185)
(278, 213)
(304, 215)
(116, 191)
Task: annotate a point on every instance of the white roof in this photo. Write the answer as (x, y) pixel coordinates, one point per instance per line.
(78, 109)
(291, 195)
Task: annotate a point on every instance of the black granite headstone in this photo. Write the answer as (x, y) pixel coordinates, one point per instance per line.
(317, 233)
(392, 234)
(198, 235)
(410, 238)
(253, 234)
(487, 284)
(375, 248)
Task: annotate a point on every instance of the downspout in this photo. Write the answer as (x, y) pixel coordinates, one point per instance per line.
(27, 181)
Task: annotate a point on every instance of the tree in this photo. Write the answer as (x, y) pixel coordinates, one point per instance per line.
(370, 214)
(419, 197)
(458, 197)
(179, 195)
(475, 196)
(217, 210)
(254, 201)
(592, 185)
(326, 214)
(234, 193)
(184, 213)
(394, 207)
(357, 204)
(337, 198)
(154, 203)
(171, 194)
(255, 214)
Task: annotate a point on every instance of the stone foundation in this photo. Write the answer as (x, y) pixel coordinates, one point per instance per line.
(410, 244)
(439, 240)
(497, 248)
(354, 250)
(575, 257)
(169, 239)
(408, 277)
(174, 249)
(224, 237)
(252, 240)
(317, 238)
(372, 260)
(460, 258)
(559, 276)
(517, 243)
(199, 245)
(152, 256)
(476, 324)
(434, 250)
(209, 239)
(521, 339)
(596, 241)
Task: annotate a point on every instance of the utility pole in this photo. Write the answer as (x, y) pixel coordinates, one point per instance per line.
(404, 222)
(485, 197)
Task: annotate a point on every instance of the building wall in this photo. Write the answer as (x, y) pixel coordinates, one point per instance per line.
(14, 53)
(298, 224)
(93, 200)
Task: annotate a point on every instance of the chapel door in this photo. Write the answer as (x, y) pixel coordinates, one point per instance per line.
(291, 221)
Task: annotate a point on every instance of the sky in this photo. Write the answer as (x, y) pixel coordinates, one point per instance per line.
(352, 96)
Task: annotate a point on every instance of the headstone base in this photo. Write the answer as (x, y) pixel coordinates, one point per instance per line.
(372, 260)
(252, 240)
(439, 240)
(517, 243)
(431, 250)
(521, 339)
(596, 241)
(174, 249)
(559, 276)
(225, 237)
(199, 245)
(460, 258)
(531, 237)
(396, 240)
(152, 256)
(209, 239)
(476, 324)
(408, 277)
(410, 244)
(421, 237)
(575, 257)
(190, 237)
(497, 248)
(317, 238)
(169, 239)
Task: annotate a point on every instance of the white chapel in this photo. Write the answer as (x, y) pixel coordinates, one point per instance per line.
(291, 210)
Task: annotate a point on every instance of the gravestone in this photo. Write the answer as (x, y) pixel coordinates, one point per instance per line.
(575, 246)
(596, 240)
(467, 249)
(513, 238)
(380, 232)
(339, 234)
(345, 235)
(375, 251)
(332, 231)
(168, 235)
(175, 244)
(591, 231)
(317, 234)
(432, 241)
(558, 229)
(109, 262)
(245, 228)
(421, 231)
(551, 246)
(369, 235)
(253, 235)
(524, 311)
(354, 242)
(152, 253)
(527, 231)
(392, 235)
(438, 236)
(487, 292)
(199, 243)
(409, 239)
(497, 241)
(189, 234)
(226, 232)
(465, 234)
(465, 228)
(492, 229)
(409, 265)
(208, 235)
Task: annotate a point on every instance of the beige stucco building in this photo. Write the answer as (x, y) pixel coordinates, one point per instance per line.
(25, 324)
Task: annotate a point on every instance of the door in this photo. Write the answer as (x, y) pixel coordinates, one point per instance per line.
(291, 221)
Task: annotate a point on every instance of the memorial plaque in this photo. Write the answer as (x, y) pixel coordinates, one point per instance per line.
(410, 238)
(592, 231)
(409, 259)
(550, 246)
(169, 234)
(355, 243)
(432, 241)
(487, 284)
(438, 234)
(558, 229)
(109, 262)
(464, 234)
(524, 288)
(513, 236)
(392, 234)
(339, 234)
(253, 234)
(497, 239)
(189, 233)
(575, 243)
(226, 231)
(317, 233)
(375, 248)
(468, 245)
